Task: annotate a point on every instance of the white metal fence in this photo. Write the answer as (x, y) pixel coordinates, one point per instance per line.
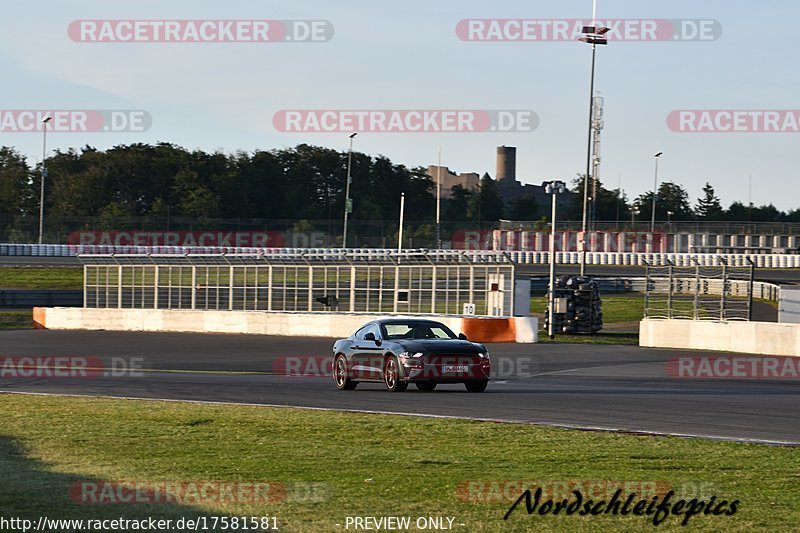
(762, 290)
(376, 281)
(718, 293)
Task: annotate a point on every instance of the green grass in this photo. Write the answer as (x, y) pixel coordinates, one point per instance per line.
(601, 337)
(627, 307)
(41, 277)
(368, 465)
(617, 307)
(621, 309)
(16, 319)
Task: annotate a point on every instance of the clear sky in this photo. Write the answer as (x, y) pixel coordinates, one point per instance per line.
(407, 55)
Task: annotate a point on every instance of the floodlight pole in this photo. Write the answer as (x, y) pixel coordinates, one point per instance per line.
(44, 175)
(553, 188)
(402, 214)
(588, 165)
(439, 201)
(655, 196)
(593, 35)
(348, 206)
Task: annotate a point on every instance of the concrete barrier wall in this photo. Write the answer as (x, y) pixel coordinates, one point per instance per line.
(337, 325)
(767, 338)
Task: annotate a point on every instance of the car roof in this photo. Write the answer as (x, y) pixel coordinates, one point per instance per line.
(406, 320)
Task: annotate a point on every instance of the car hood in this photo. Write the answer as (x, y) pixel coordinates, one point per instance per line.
(442, 346)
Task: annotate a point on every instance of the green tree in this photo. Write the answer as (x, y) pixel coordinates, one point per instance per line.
(456, 206)
(18, 197)
(523, 208)
(264, 186)
(486, 204)
(708, 207)
(766, 213)
(606, 206)
(738, 212)
(671, 197)
(792, 216)
(195, 199)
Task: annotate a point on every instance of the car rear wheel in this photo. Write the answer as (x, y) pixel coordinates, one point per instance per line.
(391, 376)
(426, 386)
(340, 375)
(476, 386)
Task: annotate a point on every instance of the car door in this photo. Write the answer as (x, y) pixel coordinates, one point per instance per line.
(367, 353)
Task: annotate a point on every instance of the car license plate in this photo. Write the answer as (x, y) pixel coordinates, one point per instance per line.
(455, 369)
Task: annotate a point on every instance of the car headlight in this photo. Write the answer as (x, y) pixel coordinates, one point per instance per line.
(411, 359)
(484, 357)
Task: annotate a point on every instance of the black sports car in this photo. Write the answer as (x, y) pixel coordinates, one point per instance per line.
(400, 351)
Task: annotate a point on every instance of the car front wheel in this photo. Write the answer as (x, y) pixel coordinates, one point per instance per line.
(343, 382)
(391, 376)
(476, 386)
(426, 386)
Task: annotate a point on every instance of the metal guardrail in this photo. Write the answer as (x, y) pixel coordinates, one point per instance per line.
(592, 258)
(683, 226)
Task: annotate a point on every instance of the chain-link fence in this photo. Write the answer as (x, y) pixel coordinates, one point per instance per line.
(436, 282)
(698, 292)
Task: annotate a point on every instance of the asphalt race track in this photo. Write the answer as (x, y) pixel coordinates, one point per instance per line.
(625, 388)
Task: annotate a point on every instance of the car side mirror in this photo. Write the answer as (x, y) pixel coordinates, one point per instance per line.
(462, 337)
(369, 337)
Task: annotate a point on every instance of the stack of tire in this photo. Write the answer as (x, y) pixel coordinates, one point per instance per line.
(584, 306)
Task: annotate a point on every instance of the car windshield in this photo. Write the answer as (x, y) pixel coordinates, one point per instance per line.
(417, 330)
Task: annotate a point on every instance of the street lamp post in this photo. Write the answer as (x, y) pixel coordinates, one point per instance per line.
(552, 188)
(348, 203)
(45, 121)
(402, 216)
(634, 212)
(439, 201)
(594, 36)
(655, 194)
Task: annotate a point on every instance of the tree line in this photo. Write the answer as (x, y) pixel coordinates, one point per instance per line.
(304, 183)
(673, 203)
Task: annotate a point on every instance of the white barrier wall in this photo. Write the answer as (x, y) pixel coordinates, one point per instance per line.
(767, 338)
(337, 325)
